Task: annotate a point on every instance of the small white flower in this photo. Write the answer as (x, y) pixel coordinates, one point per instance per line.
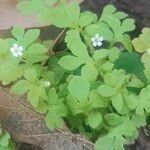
(47, 84)
(97, 40)
(16, 50)
(148, 51)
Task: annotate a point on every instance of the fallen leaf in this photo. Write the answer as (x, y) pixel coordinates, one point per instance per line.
(27, 126)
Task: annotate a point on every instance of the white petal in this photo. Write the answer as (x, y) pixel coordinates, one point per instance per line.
(20, 53)
(96, 35)
(93, 39)
(101, 38)
(15, 54)
(15, 45)
(20, 48)
(99, 44)
(94, 44)
(12, 49)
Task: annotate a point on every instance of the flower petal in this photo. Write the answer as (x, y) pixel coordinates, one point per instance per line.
(20, 53)
(99, 44)
(15, 54)
(95, 44)
(101, 38)
(12, 49)
(15, 45)
(20, 48)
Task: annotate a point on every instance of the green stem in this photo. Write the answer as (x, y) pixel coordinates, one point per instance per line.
(24, 60)
(87, 40)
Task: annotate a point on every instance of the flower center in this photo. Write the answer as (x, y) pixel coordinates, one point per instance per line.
(16, 50)
(96, 40)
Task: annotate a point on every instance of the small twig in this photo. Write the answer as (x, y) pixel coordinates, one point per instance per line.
(59, 36)
(50, 51)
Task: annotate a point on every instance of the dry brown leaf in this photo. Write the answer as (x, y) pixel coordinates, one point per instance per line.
(10, 16)
(27, 126)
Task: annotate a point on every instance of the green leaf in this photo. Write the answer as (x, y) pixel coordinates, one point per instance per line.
(107, 11)
(142, 44)
(126, 41)
(21, 87)
(25, 39)
(18, 32)
(128, 25)
(131, 63)
(52, 96)
(145, 60)
(117, 102)
(97, 101)
(138, 121)
(101, 29)
(115, 78)
(79, 88)
(131, 101)
(4, 49)
(106, 91)
(136, 83)
(105, 143)
(31, 35)
(87, 18)
(65, 16)
(144, 101)
(110, 11)
(114, 54)
(30, 74)
(94, 119)
(75, 44)
(107, 66)
(10, 71)
(4, 140)
(101, 54)
(54, 121)
(119, 31)
(113, 119)
(70, 62)
(120, 15)
(37, 50)
(40, 7)
(89, 72)
(41, 107)
(34, 95)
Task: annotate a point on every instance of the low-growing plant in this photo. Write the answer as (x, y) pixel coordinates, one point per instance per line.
(5, 140)
(99, 87)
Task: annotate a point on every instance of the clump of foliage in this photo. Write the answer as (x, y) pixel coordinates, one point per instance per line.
(99, 86)
(5, 140)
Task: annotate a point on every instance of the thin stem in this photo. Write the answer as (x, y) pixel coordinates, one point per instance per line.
(87, 40)
(25, 61)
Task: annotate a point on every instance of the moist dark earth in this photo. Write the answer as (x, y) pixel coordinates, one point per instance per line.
(140, 11)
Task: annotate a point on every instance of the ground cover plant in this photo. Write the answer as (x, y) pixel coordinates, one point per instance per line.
(97, 87)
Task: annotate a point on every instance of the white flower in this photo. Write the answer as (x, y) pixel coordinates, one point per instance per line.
(16, 50)
(148, 51)
(97, 40)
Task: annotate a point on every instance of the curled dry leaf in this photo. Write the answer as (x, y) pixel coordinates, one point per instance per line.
(27, 126)
(10, 16)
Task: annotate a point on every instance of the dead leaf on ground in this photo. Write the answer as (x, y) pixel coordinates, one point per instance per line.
(27, 126)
